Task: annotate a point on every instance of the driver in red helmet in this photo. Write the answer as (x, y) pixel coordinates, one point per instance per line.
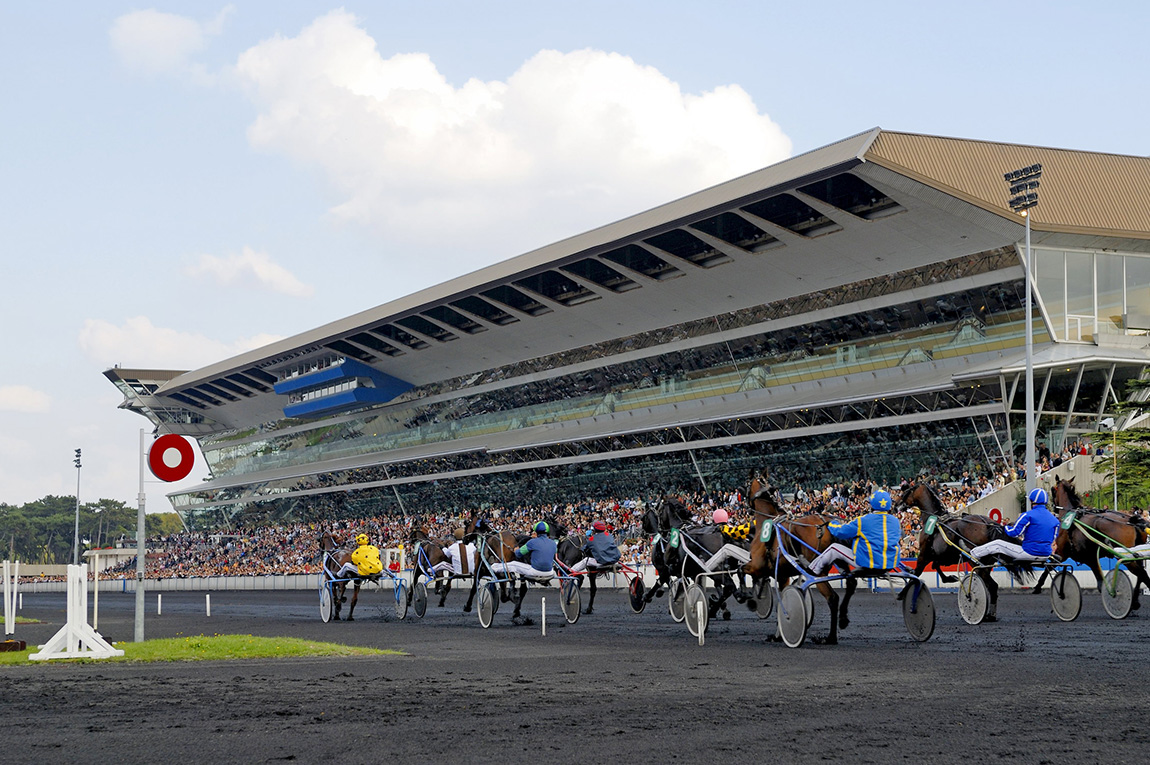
(599, 551)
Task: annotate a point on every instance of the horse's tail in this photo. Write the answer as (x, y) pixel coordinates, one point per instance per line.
(1019, 569)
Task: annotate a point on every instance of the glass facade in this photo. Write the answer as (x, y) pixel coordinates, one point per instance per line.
(1089, 293)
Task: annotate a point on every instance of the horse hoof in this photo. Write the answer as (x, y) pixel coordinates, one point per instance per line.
(828, 640)
(1036, 591)
(351, 619)
(1135, 605)
(587, 610)
(752, 604)
(844, 623)
(726, 615)
(989, 618)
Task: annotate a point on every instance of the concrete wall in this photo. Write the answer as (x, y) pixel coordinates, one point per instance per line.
(1008, 500)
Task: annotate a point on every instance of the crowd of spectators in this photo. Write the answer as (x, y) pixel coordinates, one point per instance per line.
(293, 548)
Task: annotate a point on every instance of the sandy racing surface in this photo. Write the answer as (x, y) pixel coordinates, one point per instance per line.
(615, 687)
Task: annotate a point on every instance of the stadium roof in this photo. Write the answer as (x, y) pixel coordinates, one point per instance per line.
(870, 205)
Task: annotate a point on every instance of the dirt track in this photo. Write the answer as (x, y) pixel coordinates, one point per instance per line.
(616, 687)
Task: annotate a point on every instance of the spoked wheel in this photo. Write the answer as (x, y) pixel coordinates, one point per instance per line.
(637, 590)
(488, 604)
(419, 599)
(918, 611)
(792, 616)
(695, 611)
(1117, 594)
(401, 599)
(675, 602)
(569, 600)
(1065, 596)
(973, 599)
(326, 603)
(765, 599)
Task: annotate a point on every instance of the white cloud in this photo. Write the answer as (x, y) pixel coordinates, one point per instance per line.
(249, 269)
(140, 344)
(21, 398)
(153, 42)
(568, 141)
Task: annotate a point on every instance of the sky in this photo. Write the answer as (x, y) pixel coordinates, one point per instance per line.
(186, 181)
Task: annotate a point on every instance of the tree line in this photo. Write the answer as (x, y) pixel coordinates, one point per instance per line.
(42, 531)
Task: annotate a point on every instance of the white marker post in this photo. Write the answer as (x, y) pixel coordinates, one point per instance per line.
(159, 603)
(76, 639)
(208, 602)
(11, 581)
(543, 608)
(700, 615)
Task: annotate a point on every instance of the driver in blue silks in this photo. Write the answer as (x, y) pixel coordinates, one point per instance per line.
(1037, 528)
(874, 539)
(539, 551)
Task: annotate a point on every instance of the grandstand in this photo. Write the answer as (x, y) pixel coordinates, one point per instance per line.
(856, 311)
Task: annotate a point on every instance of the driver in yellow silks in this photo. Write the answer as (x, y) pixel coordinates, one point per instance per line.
(365, 561)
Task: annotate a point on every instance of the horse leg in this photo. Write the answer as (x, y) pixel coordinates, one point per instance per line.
(832, 599)
(591, 602)
(470, 595)
(1041, 581)
(519, 600)
(338, 597)
(844, 619)
(992, 588)
(1139, 572)
(351, 607)
(443, 590)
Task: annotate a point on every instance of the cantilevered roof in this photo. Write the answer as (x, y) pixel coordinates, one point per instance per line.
(869, 206)
(1081, 192)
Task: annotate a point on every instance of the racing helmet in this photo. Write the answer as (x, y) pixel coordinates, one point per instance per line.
(1038, 496)
(599, 526)
(361, 539)
(880, 500)
(542, 527)
(720, 516)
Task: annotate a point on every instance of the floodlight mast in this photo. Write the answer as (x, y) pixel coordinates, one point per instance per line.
(1023, 196)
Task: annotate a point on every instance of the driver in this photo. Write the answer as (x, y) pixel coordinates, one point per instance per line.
(539, 550)
(461, 558)
(875, 538)
(600, 550)
(1037, 528)
(365, 561)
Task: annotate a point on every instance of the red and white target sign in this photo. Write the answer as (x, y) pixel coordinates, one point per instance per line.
(171, 458)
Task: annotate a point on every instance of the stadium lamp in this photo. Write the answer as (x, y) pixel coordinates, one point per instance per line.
(1023, 185)
(1112, 426)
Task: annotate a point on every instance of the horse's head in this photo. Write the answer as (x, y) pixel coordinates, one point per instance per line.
(764, 499)
(475, 527)
(555, 529)
(674, 513)
(651, 521)
(923, 497)
(1065, 495)
(328, 542)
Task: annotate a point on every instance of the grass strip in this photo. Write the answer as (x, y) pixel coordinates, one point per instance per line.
(215, 648)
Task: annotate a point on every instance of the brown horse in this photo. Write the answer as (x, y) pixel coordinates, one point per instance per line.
(334, 558)
(1114, 528)
(804, 536)
(498, 547)
(429, 554)
(951, 538)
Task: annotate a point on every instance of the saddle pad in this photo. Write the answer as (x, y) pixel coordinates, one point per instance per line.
(739, 533)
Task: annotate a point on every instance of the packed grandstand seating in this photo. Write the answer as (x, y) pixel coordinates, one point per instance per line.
(291, 548)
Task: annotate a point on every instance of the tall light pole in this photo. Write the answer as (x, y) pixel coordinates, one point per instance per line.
(76, 533)
(1112, 424)
(1023, 196)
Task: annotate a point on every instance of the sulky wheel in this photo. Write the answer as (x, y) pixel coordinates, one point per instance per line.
(695, 609)
(570, 599)
(1065, 596)
(918, 611)
(1117, 594)
(973, 599)
(765, 599)
(675, 600)
(419, 599)
(792, 616)
(326, 603)
(488, 600)
(401, 599)
(637, 590)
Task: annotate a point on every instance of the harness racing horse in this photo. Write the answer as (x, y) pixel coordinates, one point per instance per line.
(1125, 531)
(499, 547)
(702, 542)
(658, 520)
(805, 536)
(429, 554)
(334, 558)
(570, 552)
(951, 538)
